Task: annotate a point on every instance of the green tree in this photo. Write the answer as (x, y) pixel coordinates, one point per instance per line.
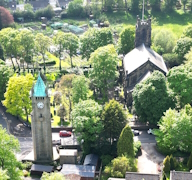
(17, 99)
(52, 176)
(59, 40)
(104, 72)
(184, 2)
(170, 4)
(42, 44)
(166, 163)
(126, 40)
(163, 41)
(135, 5)
(174, 129)
(119, 166)
(65, 86)
(3, 175)
(27, 41)
(187, 32)
(172, 166)
(189, 163)
(180, 81)
(182, 47)
(155, 4)
(5, 74)
(75, 9)
(28, 7)
(1, 52)
(125, 142)
(93, 39)
(9, 145)
(114, 120)
(151, 98)
(87, 124)
(71, 44)
(80, 88)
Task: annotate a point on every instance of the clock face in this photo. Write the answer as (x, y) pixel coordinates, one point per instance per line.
(40, 105)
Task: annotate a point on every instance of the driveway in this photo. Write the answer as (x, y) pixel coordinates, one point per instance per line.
(150, 159)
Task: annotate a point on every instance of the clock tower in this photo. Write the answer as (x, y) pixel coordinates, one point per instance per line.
(41, 123)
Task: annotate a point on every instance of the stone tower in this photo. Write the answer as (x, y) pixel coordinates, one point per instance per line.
(143, 32)
(41, 123)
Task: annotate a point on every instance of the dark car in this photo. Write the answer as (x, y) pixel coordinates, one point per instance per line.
(135, 132)
(64, 133)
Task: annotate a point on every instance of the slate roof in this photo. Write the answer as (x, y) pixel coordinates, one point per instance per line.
(83, 171)
(179, 175)
(141, 176)
(91, 160)
(39, 169)
(39, 88)
(142, 78)
(141, 55)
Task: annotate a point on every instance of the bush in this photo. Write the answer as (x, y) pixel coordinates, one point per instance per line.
(75, 9)
(189, 163)
(137, 147)
(166, 163)
(119, 166)
(46, 12)
(50, 62)
(63, 15)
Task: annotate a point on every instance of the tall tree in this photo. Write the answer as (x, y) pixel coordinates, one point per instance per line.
(71, 44)
(65, 86)
(9, 145)
(93, 39)
(42, 44)
(125, 143)
(6, 17)
(87, 123)
(151, 98)
(114, 120)
(104, 72)
(27, 45)
(126, 40)
(5, 74)
(59, 40)
(184, 2)
(80, 88)
(155, 4)
(17, 99)
(170, 4)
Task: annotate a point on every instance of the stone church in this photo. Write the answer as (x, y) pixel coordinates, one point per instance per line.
(139, 63)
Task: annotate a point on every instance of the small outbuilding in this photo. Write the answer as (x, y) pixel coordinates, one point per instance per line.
(37, 169)
(85, 172)
(91, 160)
(68, 156)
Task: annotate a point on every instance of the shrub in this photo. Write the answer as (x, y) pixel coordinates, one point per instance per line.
(63, 15)
(171, 59)
(50, 62)
(137, 147)
(189, 163)
(172, 166)
(119, 166)
(166, 163)
(75, 9)
(46, 12)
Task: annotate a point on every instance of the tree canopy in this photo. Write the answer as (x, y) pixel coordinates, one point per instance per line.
(93, 39)
(80, 88)
(114, 120)
(87, 124)
(17, 99)
(9, 145)
(5, 17)
(52, 176)
(180, 81)
(127, 40)
(174, 131)
(104, 63)
(151, 98)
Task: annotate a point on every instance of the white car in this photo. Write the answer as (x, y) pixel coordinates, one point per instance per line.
(150, 131)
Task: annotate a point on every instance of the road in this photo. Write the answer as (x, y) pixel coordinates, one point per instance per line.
(145, 138)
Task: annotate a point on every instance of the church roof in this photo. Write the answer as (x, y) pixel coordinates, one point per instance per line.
(139, 56)
(39, 88)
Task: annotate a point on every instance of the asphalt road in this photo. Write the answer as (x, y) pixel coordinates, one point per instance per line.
(144, 137)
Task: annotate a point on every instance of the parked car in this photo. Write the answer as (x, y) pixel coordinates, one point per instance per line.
(64, 133)
(150, 131)
(135, 132)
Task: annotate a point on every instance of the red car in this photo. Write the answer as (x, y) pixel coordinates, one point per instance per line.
(64, 133)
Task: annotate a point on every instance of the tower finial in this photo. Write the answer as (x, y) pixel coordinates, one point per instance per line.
(143, 10)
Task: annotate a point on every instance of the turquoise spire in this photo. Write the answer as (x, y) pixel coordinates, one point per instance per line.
(39, 88)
